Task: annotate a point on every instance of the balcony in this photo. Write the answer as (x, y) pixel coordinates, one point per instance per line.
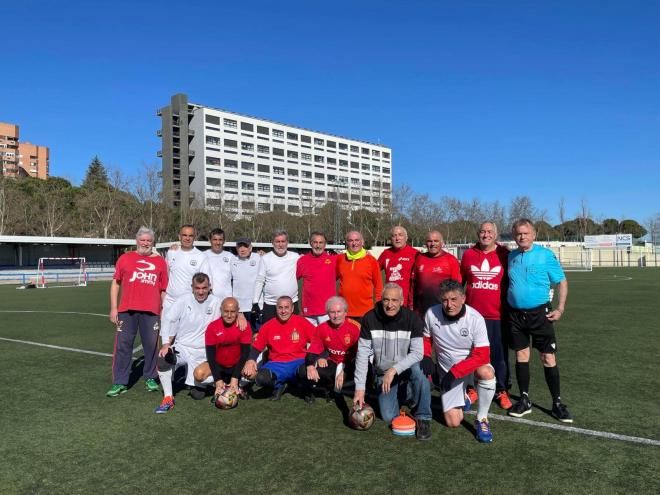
(191, 152)
(159, 112)
(159, 133)
(159, 154)
(191, 132)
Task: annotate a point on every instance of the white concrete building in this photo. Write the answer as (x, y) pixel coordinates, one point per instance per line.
(219, 159)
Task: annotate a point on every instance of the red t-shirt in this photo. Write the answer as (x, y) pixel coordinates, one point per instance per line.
(285, 341)
(227, 341)
(142, 279)
(427, 274)
(486, 279)
(398, 268)
(319, 281)
(341, 342)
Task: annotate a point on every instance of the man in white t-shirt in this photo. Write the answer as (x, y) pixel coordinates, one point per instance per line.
(219, 264)
(244, 270)
(276, 277)
(460, 341)
(183, 328)
(182, 264)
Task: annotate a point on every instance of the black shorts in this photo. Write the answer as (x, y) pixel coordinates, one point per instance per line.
(526, 323)
(226, 373)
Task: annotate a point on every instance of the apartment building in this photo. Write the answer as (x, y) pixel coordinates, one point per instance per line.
(240, 164)
(21, 159)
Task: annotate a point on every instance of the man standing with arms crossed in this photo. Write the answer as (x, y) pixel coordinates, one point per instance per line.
(398, 261)
(317, 270)
(532, 271)
(142, 277)
(484, 271)
(360, 282)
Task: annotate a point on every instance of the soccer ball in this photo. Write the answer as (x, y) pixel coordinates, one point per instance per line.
(362, 418)
(226, 399)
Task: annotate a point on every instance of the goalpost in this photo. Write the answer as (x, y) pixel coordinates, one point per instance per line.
(577, 260)
(61, 272)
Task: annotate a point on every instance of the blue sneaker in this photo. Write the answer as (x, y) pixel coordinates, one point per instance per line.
(468, 404)
(165, 406)
(484, 435)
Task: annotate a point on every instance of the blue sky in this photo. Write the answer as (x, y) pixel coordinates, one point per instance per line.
(477, 99)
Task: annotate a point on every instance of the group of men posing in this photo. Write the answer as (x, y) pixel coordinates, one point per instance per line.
(243, 322)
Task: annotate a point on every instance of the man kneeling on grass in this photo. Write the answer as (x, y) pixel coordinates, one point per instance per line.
(227, 349)
(460, 342)
(286, 337)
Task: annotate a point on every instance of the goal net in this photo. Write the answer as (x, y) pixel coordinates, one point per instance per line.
(61, 272)
(576, 261)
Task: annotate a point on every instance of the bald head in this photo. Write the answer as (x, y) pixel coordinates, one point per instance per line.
(229, 311)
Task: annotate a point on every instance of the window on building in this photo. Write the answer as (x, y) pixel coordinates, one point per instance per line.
(331, 144)
(305, 139)
(247, 205)
(231, 164)
(365, 182)
(318, 142)
(386, 170)
(294, 209)
(262, 149)
(292, 154)
(247, 186)
(212, 181)
(262, 130)
(319, 194)
(230, 123)
(263, 187)
(231, 184)
(332, 178)
(213, 202)
(354, 149)
(375, 168)
(246, 126)
(213, 140)
(318, 158)
(386, 155)
(212, 119)
(366, 199)
(278, 189)
(263, 168)
(343, 163)
(332, 195)
(278, 133)
(366, 166)
(355, 181)
(263, 207)
(387, 186)
(343, 146)
(247, 146)
(319, 175)
(230, 143)
(375, 153)
(306, 192)
(306, 174)
(292, 190)
(278, 152)
(278, 170)
(247, 165)
(212, 160)
(292, 136)
(231, 204)
(278, 207)
(365, 151)
(306, 156)
(292, 172)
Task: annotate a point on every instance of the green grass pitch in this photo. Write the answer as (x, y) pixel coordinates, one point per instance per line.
(60, 434)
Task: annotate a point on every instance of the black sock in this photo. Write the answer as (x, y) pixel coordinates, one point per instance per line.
(552, 379)
(522, 375)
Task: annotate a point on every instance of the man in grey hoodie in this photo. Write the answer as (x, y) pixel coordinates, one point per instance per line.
(393, 335)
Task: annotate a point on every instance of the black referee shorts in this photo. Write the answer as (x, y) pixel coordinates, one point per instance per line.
(532, 323)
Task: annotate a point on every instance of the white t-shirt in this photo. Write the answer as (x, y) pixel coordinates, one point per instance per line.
(453, 340)
(182, 265)
(277, 277)
(219, 265)
(187, 319)
(244, 276)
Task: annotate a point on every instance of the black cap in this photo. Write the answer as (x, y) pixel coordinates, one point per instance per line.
(243, 240)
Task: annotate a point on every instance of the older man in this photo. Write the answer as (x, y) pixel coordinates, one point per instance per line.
(392, 335)
(460, 342)
(317, 270)
(227, 349)
(182, 332)
(141, 276)
(182, 264)
(360, 281)
(276, 277)
(331, 355)
(533, 270)
(286, 337)
(429, 270)
(484, 271)
(398, 261)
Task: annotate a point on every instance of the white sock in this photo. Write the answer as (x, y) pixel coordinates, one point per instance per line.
(486, 391)
(166, 382)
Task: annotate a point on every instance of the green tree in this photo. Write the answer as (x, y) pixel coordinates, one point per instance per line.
(96, 176)
(632, 227)
(610, 226)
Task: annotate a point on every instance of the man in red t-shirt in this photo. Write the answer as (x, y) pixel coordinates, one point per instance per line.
(317, 271)
(397, 261)
(429, 270)
(227, 349)
(330, 359)
(286, 337)
(484, 270)
(141, 276)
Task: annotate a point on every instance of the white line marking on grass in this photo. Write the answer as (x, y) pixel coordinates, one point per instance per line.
(52, 312)
(60, 348)
(573, 429)
(615, 278)
(137, 348)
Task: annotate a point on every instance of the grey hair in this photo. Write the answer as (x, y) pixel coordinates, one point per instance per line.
(145, 231)
(279, 232)
(393, 286)
(335, 300)
(451, 285)
(490, 222)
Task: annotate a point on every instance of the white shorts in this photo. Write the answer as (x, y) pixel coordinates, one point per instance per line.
(455, 397)
(191, 358)
(317, 320)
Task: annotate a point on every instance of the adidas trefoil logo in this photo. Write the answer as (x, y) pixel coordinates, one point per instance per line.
(484, 274)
